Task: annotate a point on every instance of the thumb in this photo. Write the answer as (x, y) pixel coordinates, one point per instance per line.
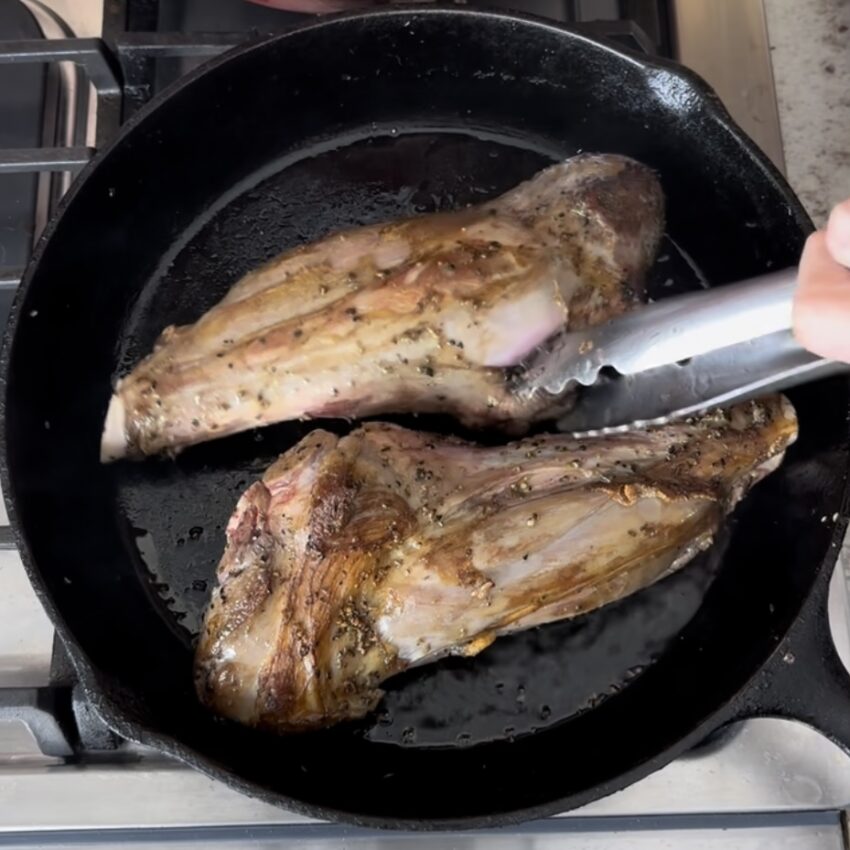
(822, 300)
(838, 234)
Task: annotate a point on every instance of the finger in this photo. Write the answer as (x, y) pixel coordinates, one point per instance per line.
(838, 234)
(822, 302)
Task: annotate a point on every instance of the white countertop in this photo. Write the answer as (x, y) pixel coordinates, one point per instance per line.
(810, 49)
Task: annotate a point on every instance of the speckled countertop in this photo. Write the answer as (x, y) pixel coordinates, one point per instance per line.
(810, 49)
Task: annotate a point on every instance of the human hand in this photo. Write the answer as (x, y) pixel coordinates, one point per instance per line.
(822, 300)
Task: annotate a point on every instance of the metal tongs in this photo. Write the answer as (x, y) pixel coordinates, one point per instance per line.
(680, 356)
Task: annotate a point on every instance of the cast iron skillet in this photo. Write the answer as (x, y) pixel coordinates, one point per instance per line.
(354, 120)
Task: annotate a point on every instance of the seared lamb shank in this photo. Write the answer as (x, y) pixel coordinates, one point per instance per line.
(420, 315)
(357, 557)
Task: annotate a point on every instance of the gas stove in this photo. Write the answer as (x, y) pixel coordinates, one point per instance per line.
(70, 74)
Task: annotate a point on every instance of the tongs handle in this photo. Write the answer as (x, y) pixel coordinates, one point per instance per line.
(676, 329)
(666, 332)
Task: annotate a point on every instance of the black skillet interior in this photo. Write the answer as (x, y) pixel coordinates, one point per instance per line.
(354, 121)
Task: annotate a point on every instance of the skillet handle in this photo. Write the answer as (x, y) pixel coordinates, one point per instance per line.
(804, 679)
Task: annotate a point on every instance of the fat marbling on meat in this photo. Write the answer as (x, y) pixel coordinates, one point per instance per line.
(420, 315)
(355, 558)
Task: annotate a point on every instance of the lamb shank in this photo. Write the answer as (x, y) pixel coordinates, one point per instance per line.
(420, 315)
(355, 558)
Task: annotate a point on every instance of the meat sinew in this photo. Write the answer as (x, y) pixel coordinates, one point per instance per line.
(358, 557)
(419, 315)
